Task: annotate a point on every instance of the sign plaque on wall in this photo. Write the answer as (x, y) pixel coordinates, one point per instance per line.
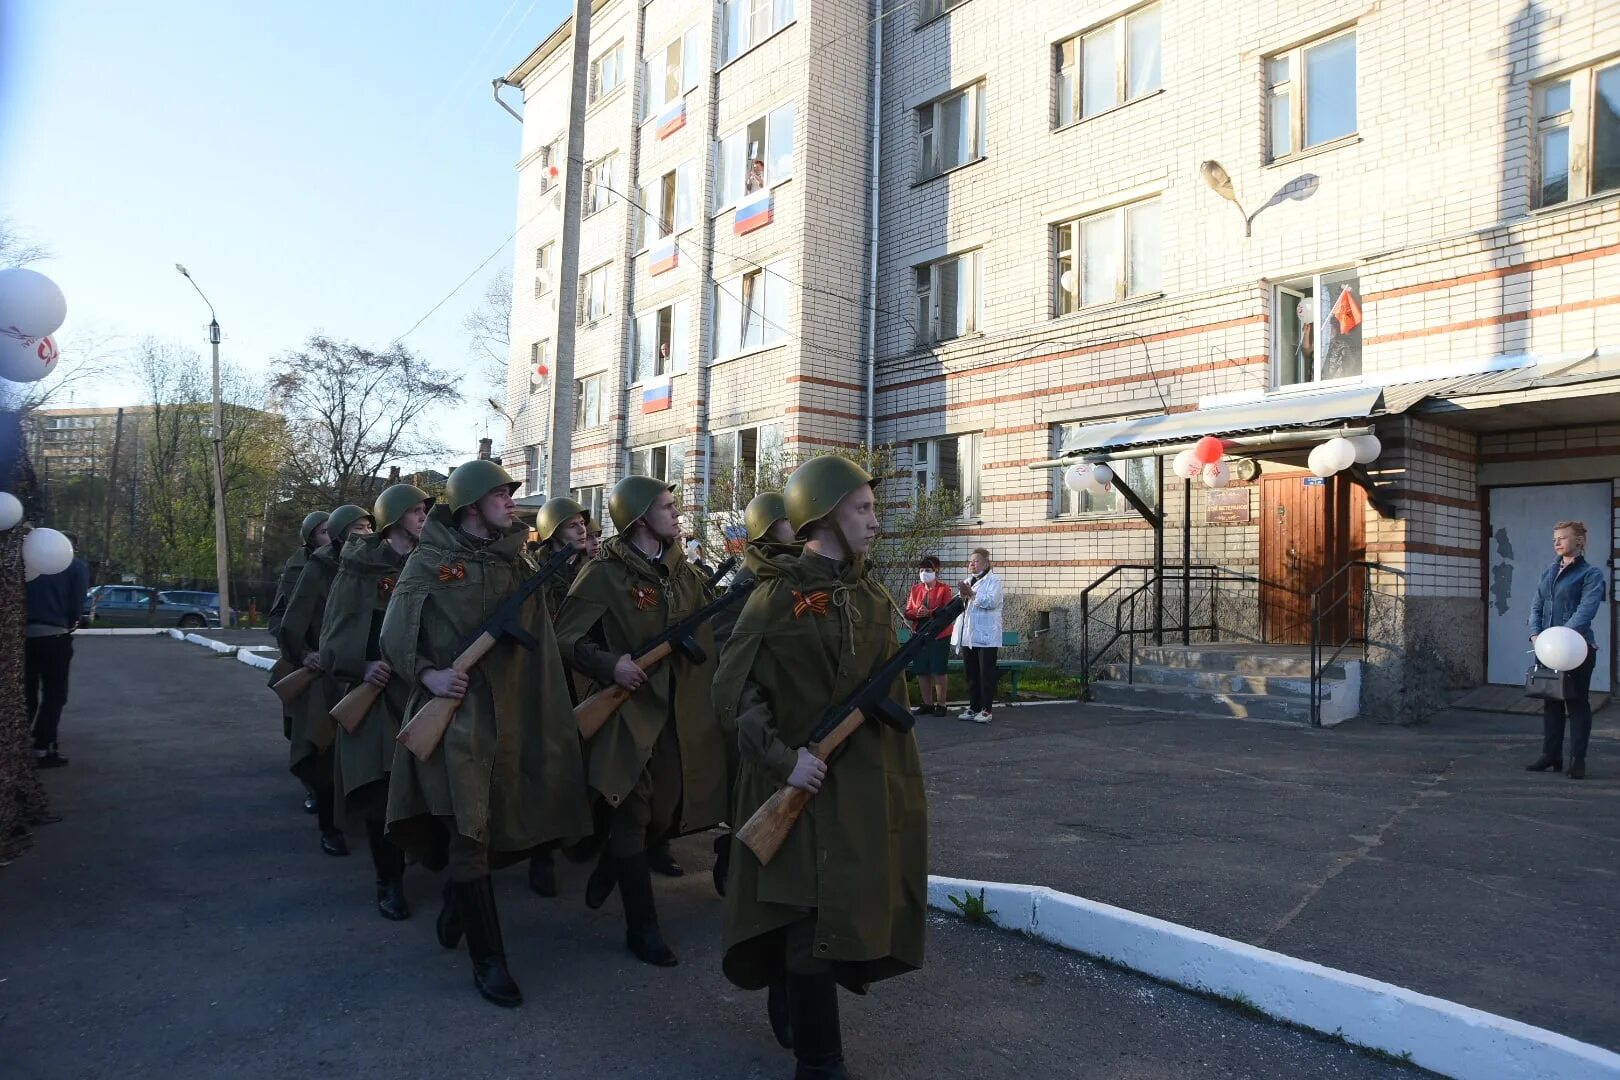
(1227, 506)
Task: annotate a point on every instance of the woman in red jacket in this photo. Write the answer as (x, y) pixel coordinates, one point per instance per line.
(928, 596)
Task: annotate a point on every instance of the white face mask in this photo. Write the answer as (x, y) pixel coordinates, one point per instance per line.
(926, 577)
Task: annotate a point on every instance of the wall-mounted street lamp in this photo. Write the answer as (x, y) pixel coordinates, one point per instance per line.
(1220, 182)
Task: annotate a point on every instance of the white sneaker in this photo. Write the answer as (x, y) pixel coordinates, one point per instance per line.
(982, 718)
(965, 714)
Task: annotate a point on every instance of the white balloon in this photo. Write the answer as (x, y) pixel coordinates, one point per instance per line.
(11, 510)
(1066, 280)
(46, 551)
(1217, 474)
(1318, 462)
(1339, 453)
(26, 359)
(1102, 478)
(1367, 448)
(1561, 648)
(31, 303)
(1185, 465)
(1077, 476)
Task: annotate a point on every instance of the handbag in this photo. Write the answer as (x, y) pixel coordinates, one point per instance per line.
(1544, 683)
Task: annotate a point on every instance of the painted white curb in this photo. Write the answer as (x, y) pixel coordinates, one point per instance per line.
(119, 631)
(255, 659)
(1439, 1035)
(210, 643)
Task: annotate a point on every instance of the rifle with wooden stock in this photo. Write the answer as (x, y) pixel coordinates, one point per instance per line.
(289, 688)
(597, 709)
(765, 832)
(421, 734)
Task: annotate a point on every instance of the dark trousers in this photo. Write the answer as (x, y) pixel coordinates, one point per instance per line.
(45, 669)
(1579, 711)
(979, 665)
(649, 811)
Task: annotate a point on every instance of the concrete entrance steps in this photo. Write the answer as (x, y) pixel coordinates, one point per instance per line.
(1243, 680)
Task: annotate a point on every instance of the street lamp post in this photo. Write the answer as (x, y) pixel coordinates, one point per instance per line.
(222, 560)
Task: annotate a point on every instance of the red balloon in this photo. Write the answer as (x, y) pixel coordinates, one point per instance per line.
(1209, 450)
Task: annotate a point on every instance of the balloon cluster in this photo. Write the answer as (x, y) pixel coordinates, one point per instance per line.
(32, 308)
(1337, 455)
(1205, 459)
(1561, 648)
(44, 551)
(1089, 479)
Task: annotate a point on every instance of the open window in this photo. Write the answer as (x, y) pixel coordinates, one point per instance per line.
(1316, 324)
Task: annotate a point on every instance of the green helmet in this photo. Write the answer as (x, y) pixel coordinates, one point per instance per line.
(817, 486)
(764, 510)
(555, 514)
(632, 497)
(312, 521)
(472, 480)
(343, 518)
(394, 501)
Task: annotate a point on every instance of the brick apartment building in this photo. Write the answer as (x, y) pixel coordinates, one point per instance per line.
(1425, 244)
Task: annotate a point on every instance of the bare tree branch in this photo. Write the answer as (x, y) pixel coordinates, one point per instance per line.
(489, 330)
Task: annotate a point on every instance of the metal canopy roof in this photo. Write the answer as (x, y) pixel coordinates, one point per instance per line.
(1286, 411)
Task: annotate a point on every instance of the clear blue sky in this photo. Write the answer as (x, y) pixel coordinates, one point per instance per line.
(335, 166)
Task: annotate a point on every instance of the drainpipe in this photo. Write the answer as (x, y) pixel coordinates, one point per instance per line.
(495, 88)
(872, 260)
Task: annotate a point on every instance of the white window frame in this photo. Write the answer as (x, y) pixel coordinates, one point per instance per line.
(650, 222)
(589, 312)
(590, 496)
(926, 469)
(734, 156)
(542, 268)
(767, 439)
(672, 454)
(929, 10)
(739, 297)
(930, 306)
(532, 470)
(589, 407)
(779, 15)
(669, 325)
(548, 157)
(655, 74)
(601, 184)
(609, 61)
(1079, 504)
(1292, 87)
(1073, 72)
(1576, 122)
(1285, 294)
(929, 161)
(1070, 257)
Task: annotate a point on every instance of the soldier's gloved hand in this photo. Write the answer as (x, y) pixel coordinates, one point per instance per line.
(445, 682)
(808, 774)
(377, 672)
(312, 661)
(628, 674)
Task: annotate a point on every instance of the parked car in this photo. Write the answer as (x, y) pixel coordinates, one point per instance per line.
(136, 605)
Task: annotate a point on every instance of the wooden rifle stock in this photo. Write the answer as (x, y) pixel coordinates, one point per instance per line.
(281, 669)
(599, 708)
(768, 828)
(355, 704)
(291, 687)
(421, 734)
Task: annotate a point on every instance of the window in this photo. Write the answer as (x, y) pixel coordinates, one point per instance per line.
(1142, 474)
(950, 131)
(595, 294)
(746, 23)
(549, 168)
(607, 73)
(950, 297)
(539, 357)
(928, 10)
(1578, 135)
(949, 464)
(666, 463)
(601, 182)
(736, 459)
(666, 206)
(757, 155)
(590, 497)
(1108, 65)
(751, 310)
(662, 341)
(1318, 328)
(1108, 256)
(588, 402)
(531, 470)
(670, 73)
(542, 269)
(1311, 94)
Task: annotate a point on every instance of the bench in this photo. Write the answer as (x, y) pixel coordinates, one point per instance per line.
(1010, 668)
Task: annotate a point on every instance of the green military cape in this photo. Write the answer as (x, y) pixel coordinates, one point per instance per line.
(508, 769)
(312, 729)
(367, 572)
(556, 590)
(278, 607)
(857, 860)
(602, 607)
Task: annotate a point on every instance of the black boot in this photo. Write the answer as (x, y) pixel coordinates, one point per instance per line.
(642, 934)
(722, 862)
(662, 861)
(475, 901)
(448, 926)
(776, 1009)
(818, 1043)
(309, 799)
(600, 884)
(1545, 762)
(390, 864)
(333, 841)
(543, 873)
(1577, 769)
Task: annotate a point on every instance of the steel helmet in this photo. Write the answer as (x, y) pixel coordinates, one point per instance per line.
(472, 480)
(817, 486)
(632, 497)
(343, 518)
(394, 501)
(556, 513)
(312, 521)
(764, 510)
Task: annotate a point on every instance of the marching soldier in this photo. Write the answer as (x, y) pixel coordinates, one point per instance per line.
(843, 900)
(507, 776)
(367, 572)
(658, 762)
(312, 729)
(311, 535)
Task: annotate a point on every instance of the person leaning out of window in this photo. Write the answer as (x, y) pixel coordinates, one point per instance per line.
(930, 666)
(1570, 594)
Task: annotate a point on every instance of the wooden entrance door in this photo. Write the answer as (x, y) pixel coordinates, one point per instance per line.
(1309, 528)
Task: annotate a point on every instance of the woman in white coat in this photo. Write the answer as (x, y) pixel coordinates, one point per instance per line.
(978, 634)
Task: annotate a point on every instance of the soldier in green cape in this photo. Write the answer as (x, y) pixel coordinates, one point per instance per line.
(658, 763)
(313, 731)
(311, 535)
(507, 776)
(844, 900)
(351, 650)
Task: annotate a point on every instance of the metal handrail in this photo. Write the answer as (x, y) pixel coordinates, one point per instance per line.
(1319, 665)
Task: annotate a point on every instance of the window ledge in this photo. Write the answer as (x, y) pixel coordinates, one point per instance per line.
(731, 207)
(953, 169)
(943, 12)
(774, 33)
(746, 353)
(1072, 124)
(1103, 517)
(608, 98)
(1321, 148)
(592, 430)
(1314, 387)
(1576, 204)
(1111, 305)
(675, 235)
(641, 384)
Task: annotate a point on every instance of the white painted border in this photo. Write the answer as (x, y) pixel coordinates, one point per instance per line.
(119, 631)
(1439, 1035)
(255, 659)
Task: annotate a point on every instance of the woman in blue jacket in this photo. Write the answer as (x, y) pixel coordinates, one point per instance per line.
(1570, 594)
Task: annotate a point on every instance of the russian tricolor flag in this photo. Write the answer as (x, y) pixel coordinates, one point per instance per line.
(754, 212)
(672, 119)
(664, 255)
(655, 396)
(736, 539)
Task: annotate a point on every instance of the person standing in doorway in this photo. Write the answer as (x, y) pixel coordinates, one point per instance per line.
(978, 634)
(928, 596)
(54, 604)
(1570, 594)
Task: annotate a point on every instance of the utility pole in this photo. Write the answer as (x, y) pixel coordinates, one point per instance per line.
(222, 551)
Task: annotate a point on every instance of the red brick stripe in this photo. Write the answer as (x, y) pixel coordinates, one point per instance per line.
(1403, 495)
(816, 380)
(1493, 320)
(1490, 275)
